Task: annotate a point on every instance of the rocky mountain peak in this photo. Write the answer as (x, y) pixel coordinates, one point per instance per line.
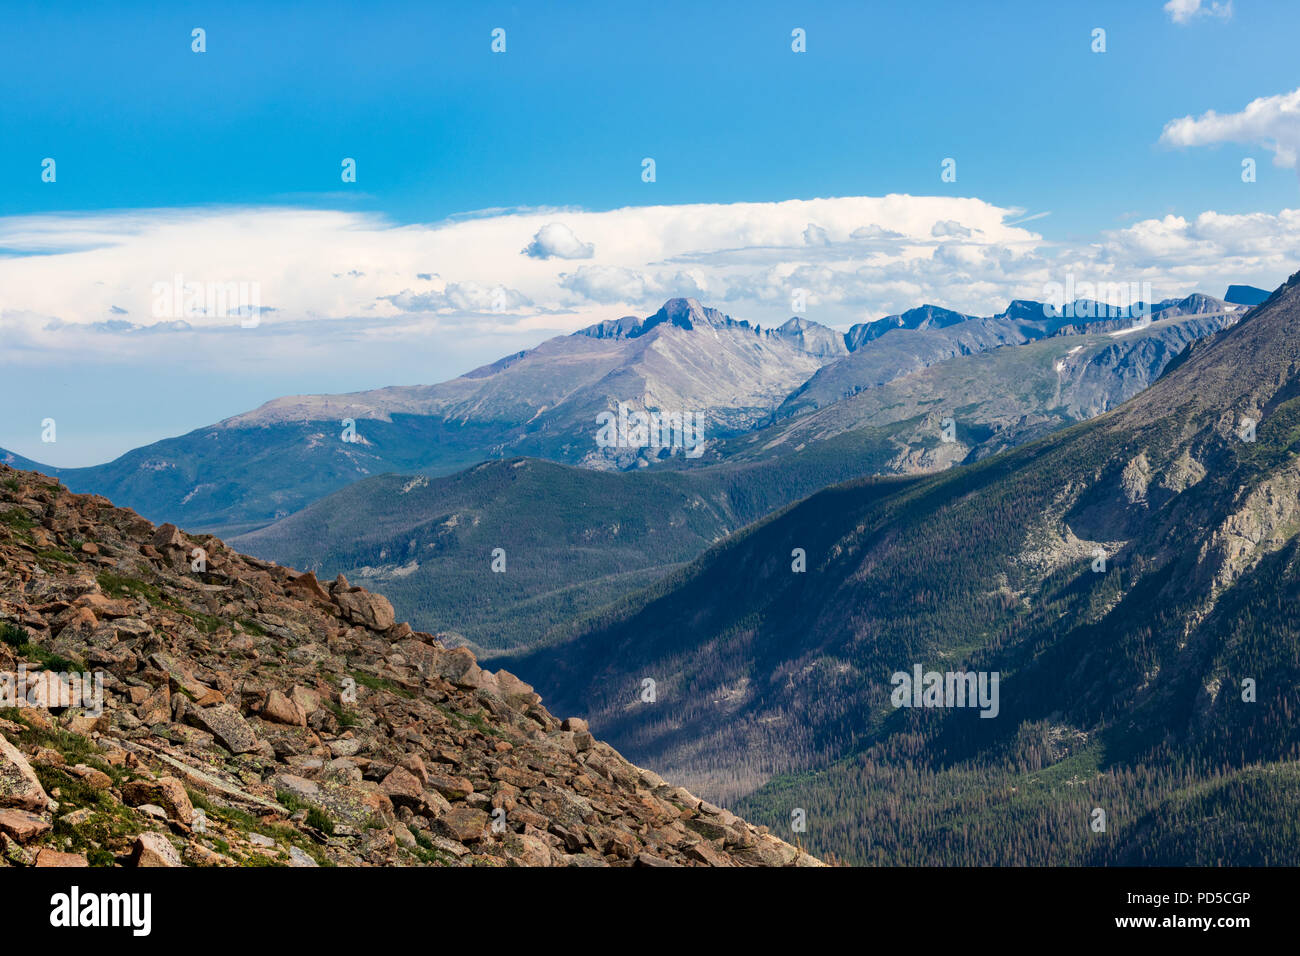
(172, 702)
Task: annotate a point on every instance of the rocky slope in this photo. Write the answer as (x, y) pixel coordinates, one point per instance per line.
(254, 716)
(895, 347)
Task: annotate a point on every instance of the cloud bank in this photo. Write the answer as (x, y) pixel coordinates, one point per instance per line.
(327, 279)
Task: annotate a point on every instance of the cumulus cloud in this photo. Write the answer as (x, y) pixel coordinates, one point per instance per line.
(557, 241)
(611, 284)
(950, 228)
(814, 235)
(874, 231)
(1184, 11)
(1272, 122)
(462, 297)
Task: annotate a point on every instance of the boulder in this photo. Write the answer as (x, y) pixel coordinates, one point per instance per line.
(464, 824)
(282, 710)
(168, 536)
(154, 849)
(23, 826)
(368, 610)
(53, 858)
(226, 724)
(403, 788)
(166, 792)
(19, 786)
(307, 586)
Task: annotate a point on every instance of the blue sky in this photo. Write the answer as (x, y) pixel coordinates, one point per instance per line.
(441, 127)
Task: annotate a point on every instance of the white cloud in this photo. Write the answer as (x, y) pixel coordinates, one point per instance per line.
(1184, 11)
(815, 235)
(333, 281)
(463, 297)
(950, 228)
(611, 284)
(557, 241)
(1272, 122)
(874, 231)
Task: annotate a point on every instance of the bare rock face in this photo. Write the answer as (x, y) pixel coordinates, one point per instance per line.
(257, 714)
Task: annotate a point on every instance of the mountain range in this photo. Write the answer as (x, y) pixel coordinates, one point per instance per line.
(427, 542)
(1097, 518)
(258, 467)
(1132, 579)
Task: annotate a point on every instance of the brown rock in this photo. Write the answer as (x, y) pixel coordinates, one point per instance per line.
(413, 763)
(369, 610)
(168, 536)
(157, 707)
(167, 792)
(104, 606)
(306, 584)
(453, 788)
(226, 724)
(22, 826)
(403, 788)
(19, 786)
(464, 824)
(154, 849)
(458, 666)
(282, 710)
(53, 858)
(306, 698)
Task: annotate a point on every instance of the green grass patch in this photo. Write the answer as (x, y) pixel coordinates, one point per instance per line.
(379, 683)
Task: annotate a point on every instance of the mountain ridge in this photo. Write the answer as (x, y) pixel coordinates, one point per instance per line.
(257, 467)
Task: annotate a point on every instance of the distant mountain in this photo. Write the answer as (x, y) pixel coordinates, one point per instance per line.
(923, 317)
(1133, 579)
(996, 398)
(932, 336)
(426, 543)
(685, 360)
(255, 468)
(1245, 295)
